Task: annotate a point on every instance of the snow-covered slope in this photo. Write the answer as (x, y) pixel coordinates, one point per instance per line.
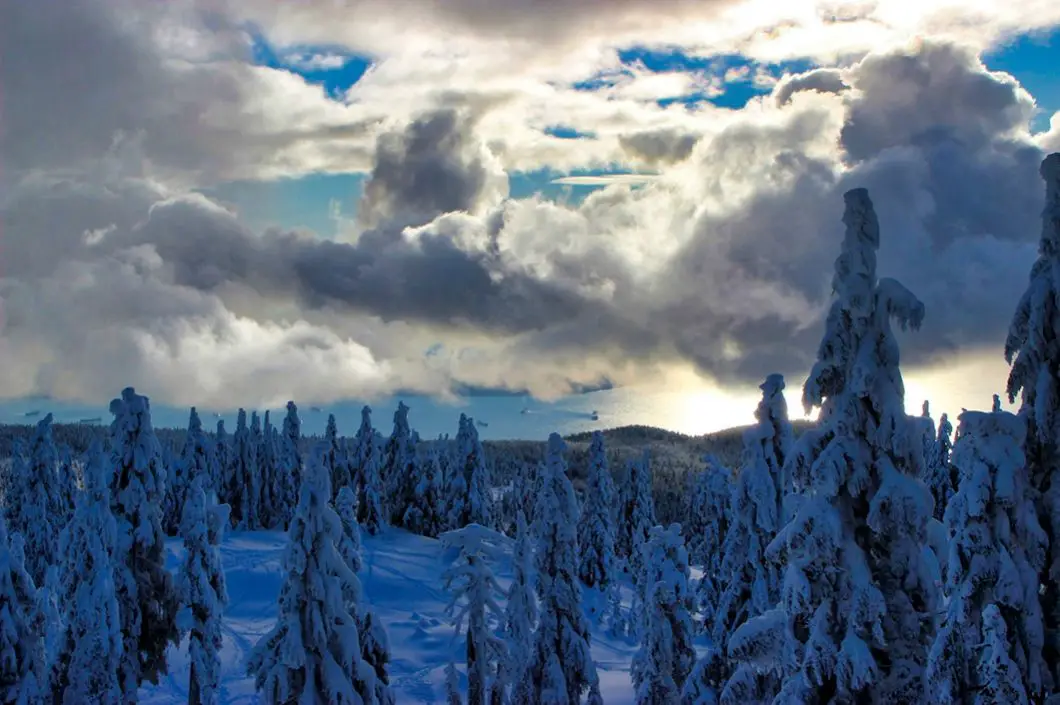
(402, 580)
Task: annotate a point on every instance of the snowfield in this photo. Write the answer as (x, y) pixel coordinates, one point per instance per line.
(402, 581)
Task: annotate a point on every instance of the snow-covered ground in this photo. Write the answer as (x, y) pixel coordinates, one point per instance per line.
(402, 580)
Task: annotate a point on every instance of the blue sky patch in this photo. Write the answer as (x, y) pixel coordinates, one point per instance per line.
(564, 132)
(334, 68)
(1034, 59)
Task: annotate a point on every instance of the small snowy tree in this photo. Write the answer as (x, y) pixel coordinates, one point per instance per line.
(938, 475)
(596, 526)
(666, 654)
(560, 668)
(313, 654)
(425, 515)
(40, 512)
(89, 653)
(520, 611)
(201, 586)
(860, 584)
(474, 592)
(365, 462)
(996, 552)
(21, 649)
(146, 598)
(1035, 376)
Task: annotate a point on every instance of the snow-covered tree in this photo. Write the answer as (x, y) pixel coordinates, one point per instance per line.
(467, 493)
(426, 514)
(22, 678)
(999, 674)
(938, 475)
(520, 611)
(474, 592)
(147, 600)
(333, 459)
(708, 514)
(350, 544)
(996, 552)
(666, 654)
(313, 653)
(996, 404)
(637, 518)
(273, 497)
(244, 489)
(399, 467)
(365, 462)
(69, 484)
(452, 685)
(290, 465)
(1035, 376)
(859, 591)
(195, 460)
(596, 526)
(40, 512)
(751, 583)
(201, 586)
(222, 453)
(89, 654)
(560, 668)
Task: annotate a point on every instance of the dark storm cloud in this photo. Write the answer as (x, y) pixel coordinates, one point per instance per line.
(663, 146)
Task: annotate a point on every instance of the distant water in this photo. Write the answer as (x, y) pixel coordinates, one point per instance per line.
(497, 417)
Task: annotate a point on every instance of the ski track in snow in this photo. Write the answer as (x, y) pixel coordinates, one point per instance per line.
(402, 581)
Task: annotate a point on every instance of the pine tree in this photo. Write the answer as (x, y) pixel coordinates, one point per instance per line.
(313, 653)
(399, 467)
(938, 475)
(146, 598)
(859, 590)
(21, 649)
(69, 485)
(14, 484)
(520, 611)
(365, 461)
(41, 503)
(596, 526)
(995, 556)
(49, 620)
(290, 467)
(222, 462)
(244, 476)
(1035, 376)
(640, 514)
(425, 516)
(89, 654)
(474, 592)
(709, 521)
(201, 586)
(561, 666)
(666, 655)
(350, 544)
(333, 459)
(273, 490)
(195, 461)
(998, 673)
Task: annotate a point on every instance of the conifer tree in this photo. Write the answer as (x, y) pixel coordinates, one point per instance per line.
(69, 485)
(640, 513)
(596, 526)
(425, 515)
(273, 490)
(147, 600)
(333, 459)
(244, 476)
(938, 475)
(313, 653)
(666, 655)
(290, 467)
(859, 590)
(89, 654)
(196, 460)
(350, 544)
(709, 521)
(14, 484)
(1035, 377)
(996, 553)
(560, 668)
(222, 462)
(520, 611)
(41, 503)
(399, 467)
(21, 649)
(366, 461)
(201, 586)
(474, 592)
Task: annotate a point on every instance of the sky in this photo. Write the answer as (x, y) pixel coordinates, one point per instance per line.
(239, 202)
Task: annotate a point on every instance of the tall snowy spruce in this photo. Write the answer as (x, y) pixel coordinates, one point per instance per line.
(425, 514)
(147, 601)
(938, 474)
(996, 553)
(561, 667)
(273, 492)
(290, 466)
(222, 459)
(196, 460)
(596, 526)
(638, 518)
(475, 609)
(201, 586)
(89, 655)
(708, 519)
(1035, 375)
(313, 653)
(468, 499)
(333, 459)
(365, 464)
(666, 654)
(22, 678)
(399, 467)
(860, 586)
(41, 503)
(751, 582)
(520, 610)
(243, 490)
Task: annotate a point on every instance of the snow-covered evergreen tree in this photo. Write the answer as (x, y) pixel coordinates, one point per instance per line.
(467, 494)
(708, 514)
(860, 588)
(520, 611)
(666, 654)
(147, 600)
(273, 492)
(751, 584)
(996, 404)
(560, 668)
(350, 544)
(89, 654)
(201, 586)
(399, 467)
(1035, 376)
(452, 685)
(40, 512)
(195, 461)
(313, 653)
(474, 592)
(290, 466)
(49, 619)
(996, 552)
(22, 678)
(333, 459)
(640, 513)
(69, 484)
(222, 458)
(425, 515)
(244, 476)
(938, 475)
(365, 462)
(13, 483)
(999, 674)
(596, 526)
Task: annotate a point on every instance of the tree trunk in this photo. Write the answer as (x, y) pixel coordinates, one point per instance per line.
(193, 688)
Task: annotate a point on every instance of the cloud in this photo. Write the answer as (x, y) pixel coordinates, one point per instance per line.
(604, 179)
(826, 80)
(665, 146)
